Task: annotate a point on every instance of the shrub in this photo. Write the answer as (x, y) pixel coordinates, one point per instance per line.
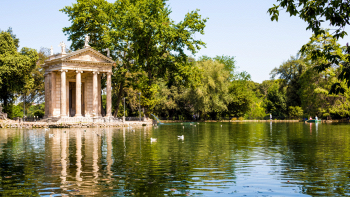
(39, 113)
(295, 112)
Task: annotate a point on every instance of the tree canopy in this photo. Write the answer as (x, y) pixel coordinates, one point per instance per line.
(15, 67)
(142, 38)
(316, 13)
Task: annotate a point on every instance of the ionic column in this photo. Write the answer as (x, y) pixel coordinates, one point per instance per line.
(95, 93)
(63, 93)
(53, 94)
(109, 95)
(99, 95)
(78, 94)
(47, 97)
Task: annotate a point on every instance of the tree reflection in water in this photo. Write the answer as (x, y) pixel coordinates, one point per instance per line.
(238, 158)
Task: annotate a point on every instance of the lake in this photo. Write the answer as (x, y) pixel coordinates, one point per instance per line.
(211, 159)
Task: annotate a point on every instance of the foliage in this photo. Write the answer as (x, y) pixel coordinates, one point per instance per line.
(35, 109)
(295, 112)
(257, 109)
(276, 100)
(14, 111)
(315, 96)
(39, 113)
(336, 57)
(289, 73)
(35, 88)
(143, 40)
(316, 12)
(241, 94)
(212, 95)
(228, 61)
(15, 67)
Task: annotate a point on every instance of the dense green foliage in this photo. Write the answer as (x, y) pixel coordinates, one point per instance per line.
(143, 39)
(154, 71)
(317, 12)
(16, 68)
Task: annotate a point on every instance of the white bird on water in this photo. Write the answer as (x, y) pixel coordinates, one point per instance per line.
(153, 140)
(182, 137)
(221, 125)
(46, 129)
(183, 127)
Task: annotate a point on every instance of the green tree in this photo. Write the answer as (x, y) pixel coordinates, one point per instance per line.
(142, 38)
(276, 100)
(15, 67)
(289, 73)
(228, 61)
(295, 112)
(242, 96)
(322, 63)
(316, 12)
(315, 96)
(240, 87)
(16, 111)
(317, 88)
(212, 95)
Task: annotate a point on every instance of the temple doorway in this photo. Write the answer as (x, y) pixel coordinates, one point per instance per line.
(72, 99)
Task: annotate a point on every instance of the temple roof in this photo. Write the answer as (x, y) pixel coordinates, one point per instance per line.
(86, 55)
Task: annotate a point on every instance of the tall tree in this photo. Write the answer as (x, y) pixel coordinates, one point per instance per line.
(141, 36)
(317, 88)
(212, 95)
(276, 100)
(15, 67)
(316, 13)
(289, 73)
(339, 58)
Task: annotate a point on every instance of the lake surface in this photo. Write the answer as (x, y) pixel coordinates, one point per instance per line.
(212, 159)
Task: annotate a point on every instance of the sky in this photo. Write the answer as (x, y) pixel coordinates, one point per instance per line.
(242, 29)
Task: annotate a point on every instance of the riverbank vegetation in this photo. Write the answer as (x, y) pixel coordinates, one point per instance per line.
(157, 68)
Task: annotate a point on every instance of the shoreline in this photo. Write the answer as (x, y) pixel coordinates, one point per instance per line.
(240, 121)
(15, 124)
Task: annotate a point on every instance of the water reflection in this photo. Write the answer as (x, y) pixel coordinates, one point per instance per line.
(253, 159)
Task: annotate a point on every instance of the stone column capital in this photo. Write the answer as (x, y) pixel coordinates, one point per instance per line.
(95, 72)
(79, 71)
(63, 70)
(109, 73)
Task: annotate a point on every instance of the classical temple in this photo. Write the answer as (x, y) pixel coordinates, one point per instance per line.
(73, 84)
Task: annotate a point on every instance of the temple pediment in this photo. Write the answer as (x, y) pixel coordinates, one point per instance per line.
(88, 55)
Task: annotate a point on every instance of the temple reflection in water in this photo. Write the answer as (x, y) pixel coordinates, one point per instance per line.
(295, 158)
(82, 158)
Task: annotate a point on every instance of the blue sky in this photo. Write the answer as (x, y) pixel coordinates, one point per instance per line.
(236, 28)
